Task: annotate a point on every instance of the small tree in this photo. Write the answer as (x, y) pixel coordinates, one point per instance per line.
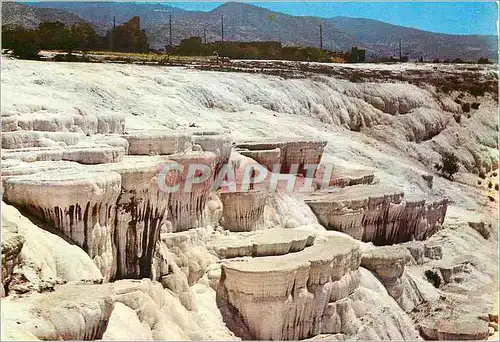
(355, 55)
(449, 165)
(24, 43)
(128, 37)
(483, 60)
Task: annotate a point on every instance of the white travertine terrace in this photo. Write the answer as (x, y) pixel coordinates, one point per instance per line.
(377, 214)
(45, 259)
(220, 144)
(274, 282)
(291, 151)
(130, 228)
(158, 142)
(267, 158)
(292, 296)
(89, 312)
(140, 210)
(16, 167)
(80, 204)
(114, 140)
(343, 178)
(276, 241)
(135, 208)
(185, 208)
(388, 264)
(24, 139)
(243, 211)
(76, 122)
(97, 154)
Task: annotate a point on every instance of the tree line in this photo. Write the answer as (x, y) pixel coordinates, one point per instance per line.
(263, 50)
(27, 43)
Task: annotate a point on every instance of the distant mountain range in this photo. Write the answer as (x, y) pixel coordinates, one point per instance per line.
(31, 17)
(244, 22)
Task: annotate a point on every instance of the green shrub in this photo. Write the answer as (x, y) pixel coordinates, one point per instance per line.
(24, 43)
(433, 278)
(449, 165)
(27, 51)
(478, 90)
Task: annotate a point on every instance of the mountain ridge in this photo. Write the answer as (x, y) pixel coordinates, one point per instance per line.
(247, 22)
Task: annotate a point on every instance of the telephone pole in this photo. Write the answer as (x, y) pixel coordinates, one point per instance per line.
(222, 28)
(321, 36)
(400, 52)
(170, 28)
(112, 35)
(204, 35)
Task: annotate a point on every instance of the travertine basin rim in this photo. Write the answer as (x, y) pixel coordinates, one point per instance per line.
(357, 192)
(322, 252)
(278, 141)
(66, 177)
(154, 134)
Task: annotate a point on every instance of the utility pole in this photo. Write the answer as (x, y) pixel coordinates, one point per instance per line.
(400, 52)
(112, 35)
(204, 35)
(222, 28)
(170, 28)
(321, 36)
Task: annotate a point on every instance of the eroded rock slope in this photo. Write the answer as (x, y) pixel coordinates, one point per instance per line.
(86, 215)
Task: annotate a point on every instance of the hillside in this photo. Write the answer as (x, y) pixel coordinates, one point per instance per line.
(30, 16)
(244, 22)
(382, 38)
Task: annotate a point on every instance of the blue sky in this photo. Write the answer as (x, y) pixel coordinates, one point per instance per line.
(445, 17)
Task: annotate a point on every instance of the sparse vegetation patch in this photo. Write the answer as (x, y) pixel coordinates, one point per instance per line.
(448, 166)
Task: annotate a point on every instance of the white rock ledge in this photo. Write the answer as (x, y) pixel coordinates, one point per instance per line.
(292, 296)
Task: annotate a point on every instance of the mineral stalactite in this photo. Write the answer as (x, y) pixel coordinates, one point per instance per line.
(186, 205)
(79, 204)
(243, 211)
(114, 210)
(292, 296)
(291, 152)
(141, 209)
(377, 214)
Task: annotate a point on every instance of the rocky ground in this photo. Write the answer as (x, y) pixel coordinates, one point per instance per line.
(391, 250)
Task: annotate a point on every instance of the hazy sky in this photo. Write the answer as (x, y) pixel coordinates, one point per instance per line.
(445, 17)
